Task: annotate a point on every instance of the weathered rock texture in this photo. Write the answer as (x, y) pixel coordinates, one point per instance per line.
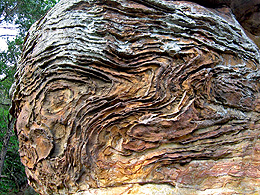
(139, 97)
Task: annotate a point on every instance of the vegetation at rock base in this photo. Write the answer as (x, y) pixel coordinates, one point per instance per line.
(23, 13)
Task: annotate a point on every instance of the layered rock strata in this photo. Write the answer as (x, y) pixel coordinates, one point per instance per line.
(139, 97)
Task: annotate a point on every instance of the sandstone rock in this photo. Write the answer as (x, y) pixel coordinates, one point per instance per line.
(139, 97)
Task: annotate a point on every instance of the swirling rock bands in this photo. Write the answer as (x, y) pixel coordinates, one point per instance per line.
(118, 93)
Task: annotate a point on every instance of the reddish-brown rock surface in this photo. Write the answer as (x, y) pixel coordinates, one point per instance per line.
(140, 97)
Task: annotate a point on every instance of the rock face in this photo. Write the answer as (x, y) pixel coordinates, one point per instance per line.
(247, 13)
(139, 97)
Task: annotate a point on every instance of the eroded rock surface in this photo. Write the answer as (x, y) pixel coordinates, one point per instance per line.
(139, 97)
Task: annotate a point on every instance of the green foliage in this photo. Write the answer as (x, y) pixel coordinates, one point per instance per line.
(8, 63)
(13, 173)
(23, 13)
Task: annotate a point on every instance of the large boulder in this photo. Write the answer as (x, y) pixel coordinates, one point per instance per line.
(139, 97)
